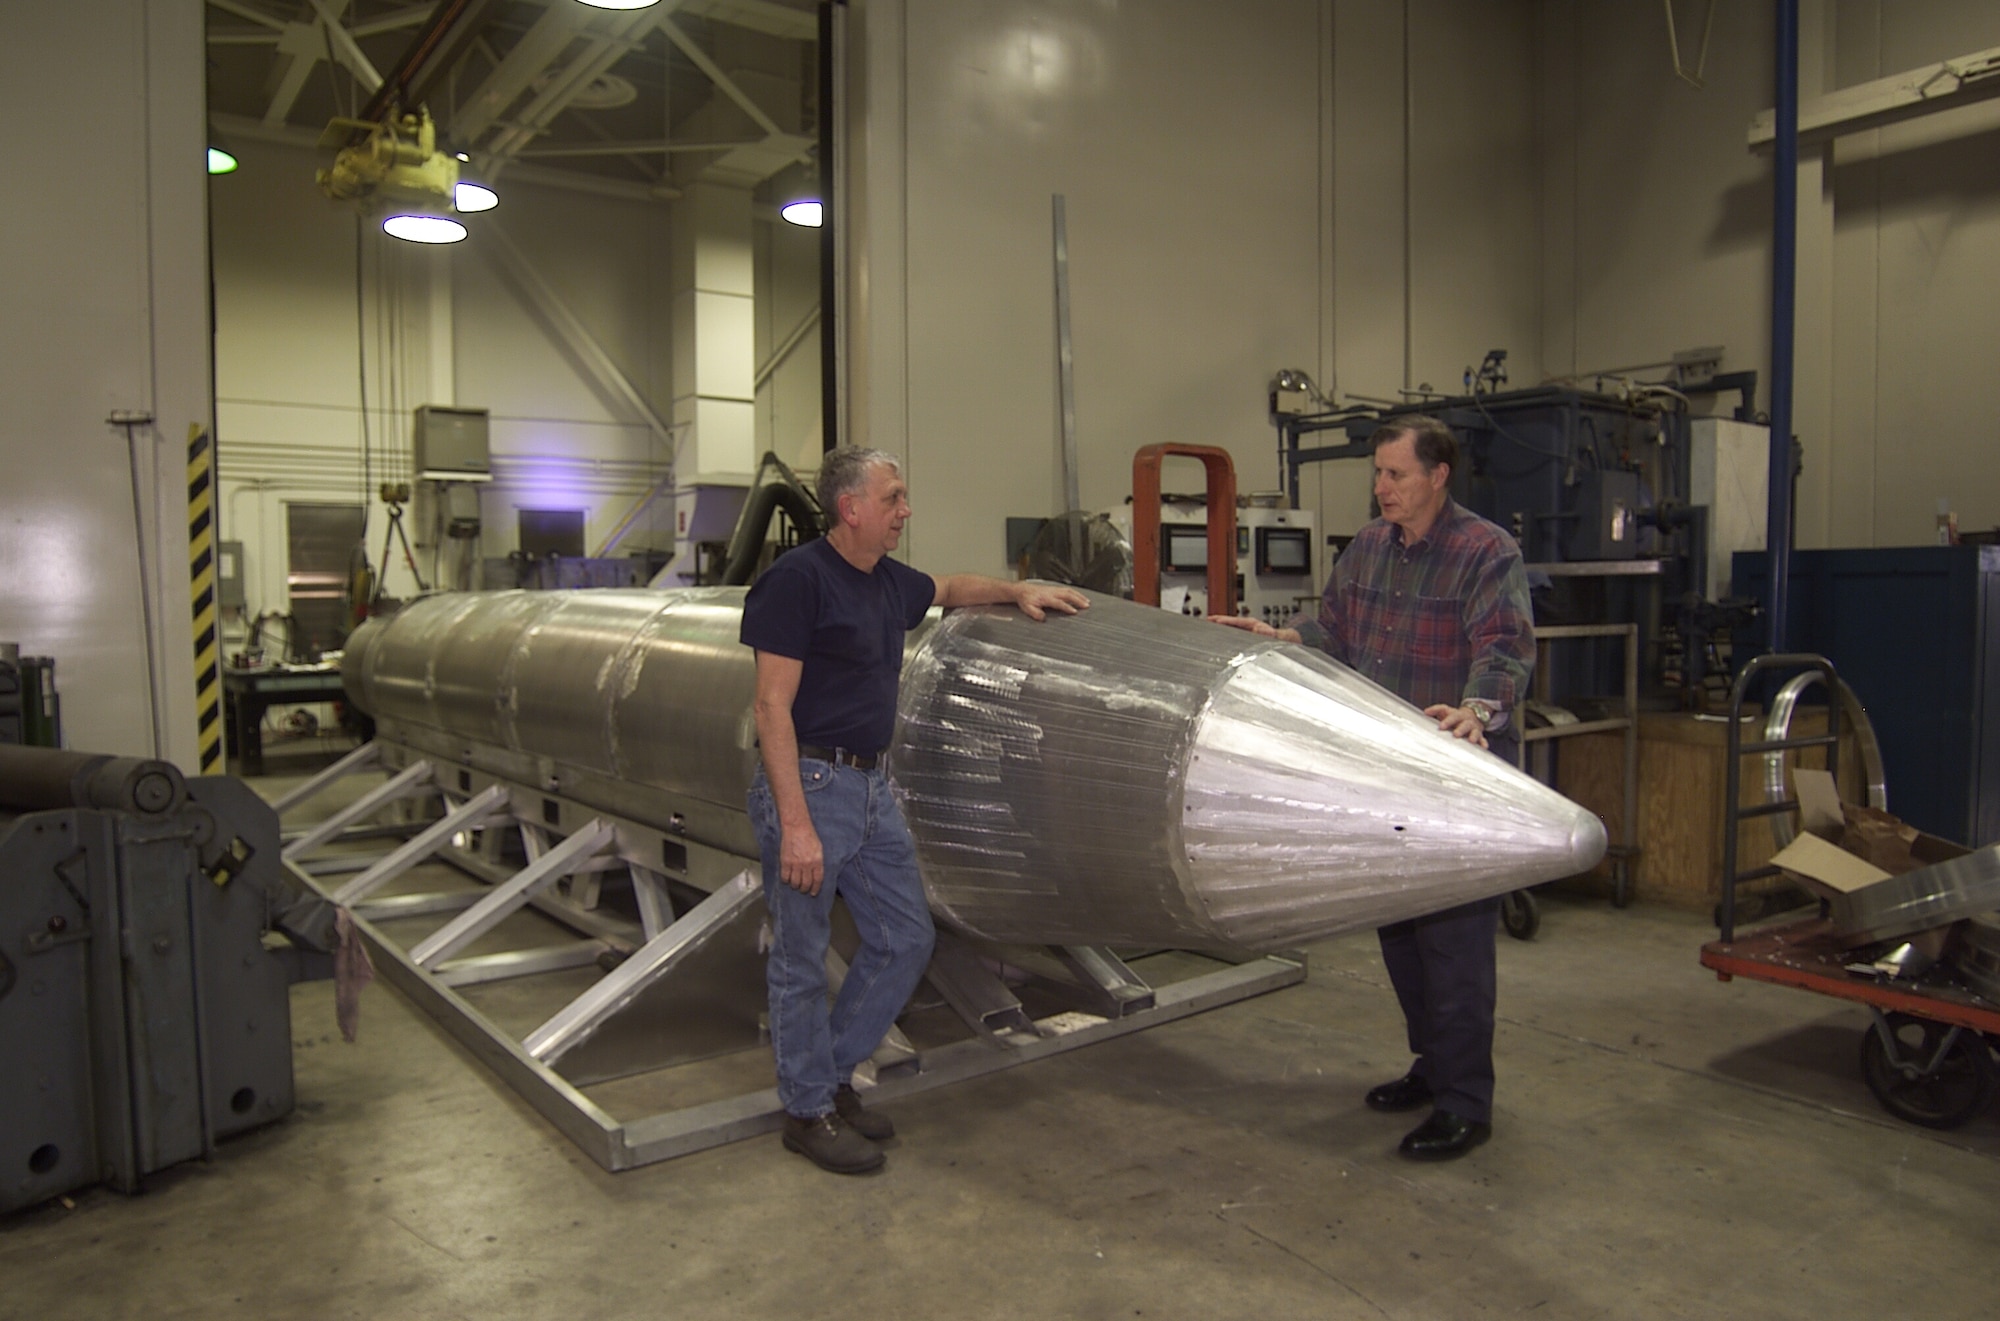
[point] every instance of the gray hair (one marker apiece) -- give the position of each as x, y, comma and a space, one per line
844, 471
1435, 442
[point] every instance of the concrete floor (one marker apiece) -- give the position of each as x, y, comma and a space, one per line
1665, 1146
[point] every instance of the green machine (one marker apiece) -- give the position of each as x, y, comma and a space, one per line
30, 711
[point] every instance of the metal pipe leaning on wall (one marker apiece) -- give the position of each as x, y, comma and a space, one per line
1121, 776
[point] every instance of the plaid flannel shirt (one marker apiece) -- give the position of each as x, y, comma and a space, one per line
1436, 622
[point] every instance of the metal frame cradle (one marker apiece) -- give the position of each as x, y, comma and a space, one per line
566, 834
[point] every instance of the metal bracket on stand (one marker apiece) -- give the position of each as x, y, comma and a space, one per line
1104, 977
976, 991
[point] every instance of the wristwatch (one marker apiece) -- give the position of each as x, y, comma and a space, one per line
1481, 711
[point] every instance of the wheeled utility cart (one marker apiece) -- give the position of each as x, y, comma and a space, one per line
1928, 1054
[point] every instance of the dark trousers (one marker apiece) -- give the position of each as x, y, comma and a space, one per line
1442, 966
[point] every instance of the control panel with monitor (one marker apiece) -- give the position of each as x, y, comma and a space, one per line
1273, 558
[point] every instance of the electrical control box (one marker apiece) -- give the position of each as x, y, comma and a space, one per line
1608, 504
229, 593
450, 445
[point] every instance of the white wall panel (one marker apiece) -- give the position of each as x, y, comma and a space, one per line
1919, 208
1184, 136
102, 265
1474, 258
1236, 182
607, 259
1671, 214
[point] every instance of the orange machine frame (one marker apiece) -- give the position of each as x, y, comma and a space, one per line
1221, 523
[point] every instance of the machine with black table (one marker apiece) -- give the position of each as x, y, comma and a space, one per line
248, 693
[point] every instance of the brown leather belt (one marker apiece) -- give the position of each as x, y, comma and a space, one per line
840, 756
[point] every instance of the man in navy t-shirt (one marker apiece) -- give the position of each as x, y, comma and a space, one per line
827, 622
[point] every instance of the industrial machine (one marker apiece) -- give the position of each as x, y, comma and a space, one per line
1626, 507
1082, 791
1216, 553
144, 1009
393, 169
1273, 562
30, 707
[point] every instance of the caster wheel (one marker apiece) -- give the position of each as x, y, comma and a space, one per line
1959, 1086
1520, 914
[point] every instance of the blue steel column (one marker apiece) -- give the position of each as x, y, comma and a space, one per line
1784, 298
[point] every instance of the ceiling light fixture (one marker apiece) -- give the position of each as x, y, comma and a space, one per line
799, 199
621, 4
220, 161
473, 197
414, 228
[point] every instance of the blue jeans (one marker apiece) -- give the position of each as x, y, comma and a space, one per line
871, 863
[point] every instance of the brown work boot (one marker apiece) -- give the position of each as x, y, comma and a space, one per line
870, 1124
830, 1144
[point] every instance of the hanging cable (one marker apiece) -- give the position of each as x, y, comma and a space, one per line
361, 363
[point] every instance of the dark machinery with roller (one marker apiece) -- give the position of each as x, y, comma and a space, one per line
144, 1005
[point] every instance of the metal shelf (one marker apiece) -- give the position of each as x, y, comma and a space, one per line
1623, 853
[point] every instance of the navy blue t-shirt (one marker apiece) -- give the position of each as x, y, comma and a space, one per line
847, 626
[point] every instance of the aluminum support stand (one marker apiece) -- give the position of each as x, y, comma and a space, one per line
658, 957
662, 951
361, 759
469, 816
508, 898
975, 991
412, 779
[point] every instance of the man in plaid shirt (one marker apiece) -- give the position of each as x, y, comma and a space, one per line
1431, 601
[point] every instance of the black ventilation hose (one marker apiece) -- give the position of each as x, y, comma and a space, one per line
753, 529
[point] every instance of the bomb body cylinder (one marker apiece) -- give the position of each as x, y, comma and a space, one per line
1121, 776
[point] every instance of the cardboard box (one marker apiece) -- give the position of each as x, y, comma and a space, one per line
1845, 848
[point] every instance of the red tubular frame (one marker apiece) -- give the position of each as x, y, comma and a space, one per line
1221, 523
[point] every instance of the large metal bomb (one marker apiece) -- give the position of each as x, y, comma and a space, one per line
1122, 776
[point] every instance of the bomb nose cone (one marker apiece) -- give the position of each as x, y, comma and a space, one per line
1126, 776
1587, 843
1317, 801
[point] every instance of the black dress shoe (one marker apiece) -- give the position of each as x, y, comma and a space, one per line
1406, 1093
1444, 1136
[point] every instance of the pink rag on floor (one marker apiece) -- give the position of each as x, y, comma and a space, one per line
352, 970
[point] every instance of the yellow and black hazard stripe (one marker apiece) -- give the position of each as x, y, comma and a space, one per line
201, 579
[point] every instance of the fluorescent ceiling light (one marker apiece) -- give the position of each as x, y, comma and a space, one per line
803, 213
621, 4
220, 161
474, 197
424, 229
